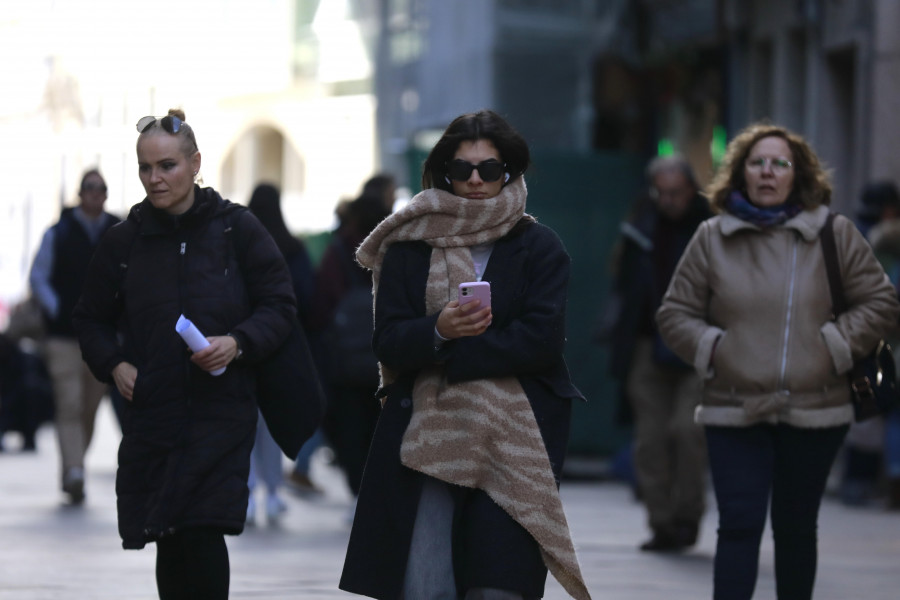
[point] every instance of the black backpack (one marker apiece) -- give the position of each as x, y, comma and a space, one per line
348, 338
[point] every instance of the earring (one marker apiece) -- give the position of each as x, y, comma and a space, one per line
447, 179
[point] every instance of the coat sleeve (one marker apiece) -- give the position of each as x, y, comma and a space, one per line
682, 317
873, 309
531, 341
39, 276
404, 334
268, 285
95, 316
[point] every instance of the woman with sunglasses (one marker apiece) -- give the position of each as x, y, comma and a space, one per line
459, 496
750, 307
187, 432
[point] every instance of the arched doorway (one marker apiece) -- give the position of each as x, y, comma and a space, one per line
262, 154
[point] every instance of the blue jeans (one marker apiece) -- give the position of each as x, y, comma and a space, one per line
265, 459
750, 464
304, 457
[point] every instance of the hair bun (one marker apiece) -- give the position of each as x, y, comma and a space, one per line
177, 112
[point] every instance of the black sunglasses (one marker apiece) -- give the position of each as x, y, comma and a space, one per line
170, 123
489, 170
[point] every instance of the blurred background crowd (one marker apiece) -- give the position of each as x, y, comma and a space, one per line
335, 103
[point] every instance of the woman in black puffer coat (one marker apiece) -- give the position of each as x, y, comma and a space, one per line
187, 434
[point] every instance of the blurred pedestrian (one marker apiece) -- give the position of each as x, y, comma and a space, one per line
865, 464
342, 324
876, 198
56, 279
661, 389
26, 392
187, 433
384, 186
265, 459
459, 497
749, 306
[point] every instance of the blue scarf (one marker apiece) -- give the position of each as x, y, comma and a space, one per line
763, 217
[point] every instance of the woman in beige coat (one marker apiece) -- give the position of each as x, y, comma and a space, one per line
749, 307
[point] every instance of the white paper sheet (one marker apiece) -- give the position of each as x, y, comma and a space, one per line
195, 340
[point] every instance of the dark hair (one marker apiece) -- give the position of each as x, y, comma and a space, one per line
877, 196
812, 186
88, 173
481, 125
381, 185
185, 132
265, 203
378, 185
365, 213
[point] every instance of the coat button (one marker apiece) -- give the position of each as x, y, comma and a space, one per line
406, 403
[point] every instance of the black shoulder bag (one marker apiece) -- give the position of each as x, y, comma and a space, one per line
873, 378
288, 390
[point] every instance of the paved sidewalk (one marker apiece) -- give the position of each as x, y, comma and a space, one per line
49, 551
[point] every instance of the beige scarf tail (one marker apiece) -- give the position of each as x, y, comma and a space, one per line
483, 434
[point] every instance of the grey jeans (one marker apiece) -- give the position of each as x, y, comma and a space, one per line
429, 568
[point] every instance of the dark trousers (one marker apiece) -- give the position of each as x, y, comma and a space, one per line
750, 464
192, 564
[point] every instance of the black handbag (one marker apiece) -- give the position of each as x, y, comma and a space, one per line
289, 394
873, 378
288, 390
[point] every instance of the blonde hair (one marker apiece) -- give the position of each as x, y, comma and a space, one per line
812, 182
185, 132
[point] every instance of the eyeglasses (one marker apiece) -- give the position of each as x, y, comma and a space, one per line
779, 164
93, 187
489, 170
170, 123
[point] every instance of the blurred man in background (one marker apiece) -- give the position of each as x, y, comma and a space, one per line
662, 391
56, 279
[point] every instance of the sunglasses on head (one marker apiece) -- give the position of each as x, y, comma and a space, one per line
170, 123
489, 170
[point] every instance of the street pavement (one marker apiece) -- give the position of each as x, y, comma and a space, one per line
51, 551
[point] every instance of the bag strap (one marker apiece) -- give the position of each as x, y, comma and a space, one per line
832, 266
234, 242
125, 258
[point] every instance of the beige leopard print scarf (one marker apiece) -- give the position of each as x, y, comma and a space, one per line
478, 434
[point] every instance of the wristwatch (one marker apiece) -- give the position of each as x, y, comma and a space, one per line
240, 351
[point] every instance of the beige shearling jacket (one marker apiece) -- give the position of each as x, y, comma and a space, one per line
751, 310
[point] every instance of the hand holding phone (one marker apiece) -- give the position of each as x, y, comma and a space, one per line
455, 322
475, 290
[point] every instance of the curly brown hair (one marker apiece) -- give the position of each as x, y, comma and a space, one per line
812, 181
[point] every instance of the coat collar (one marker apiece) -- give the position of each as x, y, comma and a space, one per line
807, 223
152, 221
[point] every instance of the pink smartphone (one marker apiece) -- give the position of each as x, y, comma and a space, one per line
475, 290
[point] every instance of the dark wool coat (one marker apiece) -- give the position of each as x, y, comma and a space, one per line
528, 271
187, 435
644, 269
